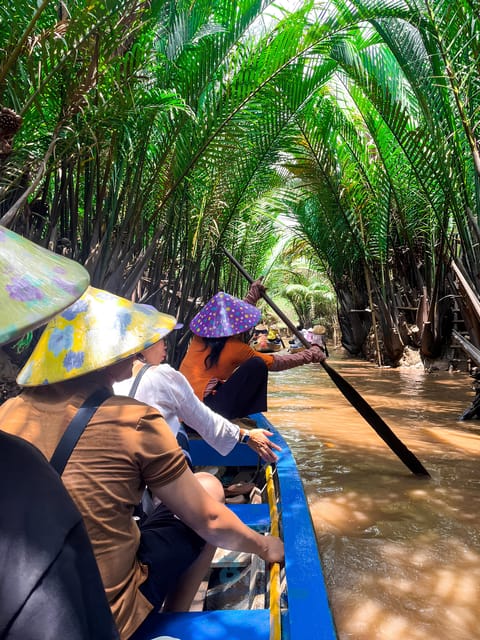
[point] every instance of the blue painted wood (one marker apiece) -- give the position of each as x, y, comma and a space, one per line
309, 615
203, 454
209, 625
256, 516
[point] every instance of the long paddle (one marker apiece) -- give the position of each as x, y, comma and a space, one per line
355, 399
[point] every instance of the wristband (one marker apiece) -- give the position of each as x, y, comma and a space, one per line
244, 437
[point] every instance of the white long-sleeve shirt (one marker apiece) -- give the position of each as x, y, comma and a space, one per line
168, 391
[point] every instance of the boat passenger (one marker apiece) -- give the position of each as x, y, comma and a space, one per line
125, 446
273, 334
50, 586
318, 337
260, 343
274, 338
295, 344
225, 372
308, 335
163, 387
259, 340
260, 330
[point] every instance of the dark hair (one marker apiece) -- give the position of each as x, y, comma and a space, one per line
215, 345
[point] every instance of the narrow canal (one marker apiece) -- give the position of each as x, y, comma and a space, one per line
401, 554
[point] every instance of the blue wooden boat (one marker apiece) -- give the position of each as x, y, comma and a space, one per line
296, 602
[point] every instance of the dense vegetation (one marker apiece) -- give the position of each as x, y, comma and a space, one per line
139, 137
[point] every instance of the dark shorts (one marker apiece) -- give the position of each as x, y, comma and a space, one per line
168, 547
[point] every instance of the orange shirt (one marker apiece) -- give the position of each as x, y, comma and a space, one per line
125, 446
232, 355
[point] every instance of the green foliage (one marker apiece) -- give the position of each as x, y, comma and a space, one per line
153, 134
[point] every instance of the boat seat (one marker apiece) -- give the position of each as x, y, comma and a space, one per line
217, 625
203, 454
209, 625
256, 516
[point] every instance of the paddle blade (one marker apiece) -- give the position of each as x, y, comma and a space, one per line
376, 422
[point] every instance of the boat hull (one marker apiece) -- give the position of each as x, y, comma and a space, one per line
266, 347
305, 609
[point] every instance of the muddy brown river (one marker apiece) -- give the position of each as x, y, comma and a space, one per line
401, 554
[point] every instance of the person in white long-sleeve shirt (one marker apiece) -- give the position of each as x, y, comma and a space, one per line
167, 390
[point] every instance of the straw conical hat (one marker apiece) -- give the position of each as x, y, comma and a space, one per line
98, 330
223, 316
319, 330
35, 284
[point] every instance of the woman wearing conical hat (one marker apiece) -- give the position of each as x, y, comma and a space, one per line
163, 387
318, 337
125, 446
50, 586
228, 375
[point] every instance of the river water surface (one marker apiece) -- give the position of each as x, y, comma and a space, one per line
401, 554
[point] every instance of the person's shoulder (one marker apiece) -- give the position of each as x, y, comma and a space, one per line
126, 409
12, 403
235, 341
171, 378
235, 344
18, 449
123, 387
127, 416
163, 370
25, 471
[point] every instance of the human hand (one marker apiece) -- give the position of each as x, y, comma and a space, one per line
318, 354
260, 443
257, 289
273, 550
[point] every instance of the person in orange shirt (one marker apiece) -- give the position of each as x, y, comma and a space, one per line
224, 371
125, 446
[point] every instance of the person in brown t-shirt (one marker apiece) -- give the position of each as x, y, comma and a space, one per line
50, 586
125, 446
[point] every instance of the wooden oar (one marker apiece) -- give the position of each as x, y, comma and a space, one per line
355, 399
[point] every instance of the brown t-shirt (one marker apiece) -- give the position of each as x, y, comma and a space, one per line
232, 355
125, 446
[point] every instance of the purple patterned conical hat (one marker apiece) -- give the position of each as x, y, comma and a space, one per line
224, 316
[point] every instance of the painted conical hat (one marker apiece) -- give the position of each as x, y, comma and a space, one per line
223, 316
35, 284
96, 331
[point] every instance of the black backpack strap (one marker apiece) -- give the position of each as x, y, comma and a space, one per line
136, 382
76, 427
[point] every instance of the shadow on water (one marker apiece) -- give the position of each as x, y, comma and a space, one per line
401, 554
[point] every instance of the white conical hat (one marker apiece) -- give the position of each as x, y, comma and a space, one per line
319, 330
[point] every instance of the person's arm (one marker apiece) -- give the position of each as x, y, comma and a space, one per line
219, 432
213, 521
258, 440
290, 360
257, 288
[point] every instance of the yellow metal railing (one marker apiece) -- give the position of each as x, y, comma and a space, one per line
275, 590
